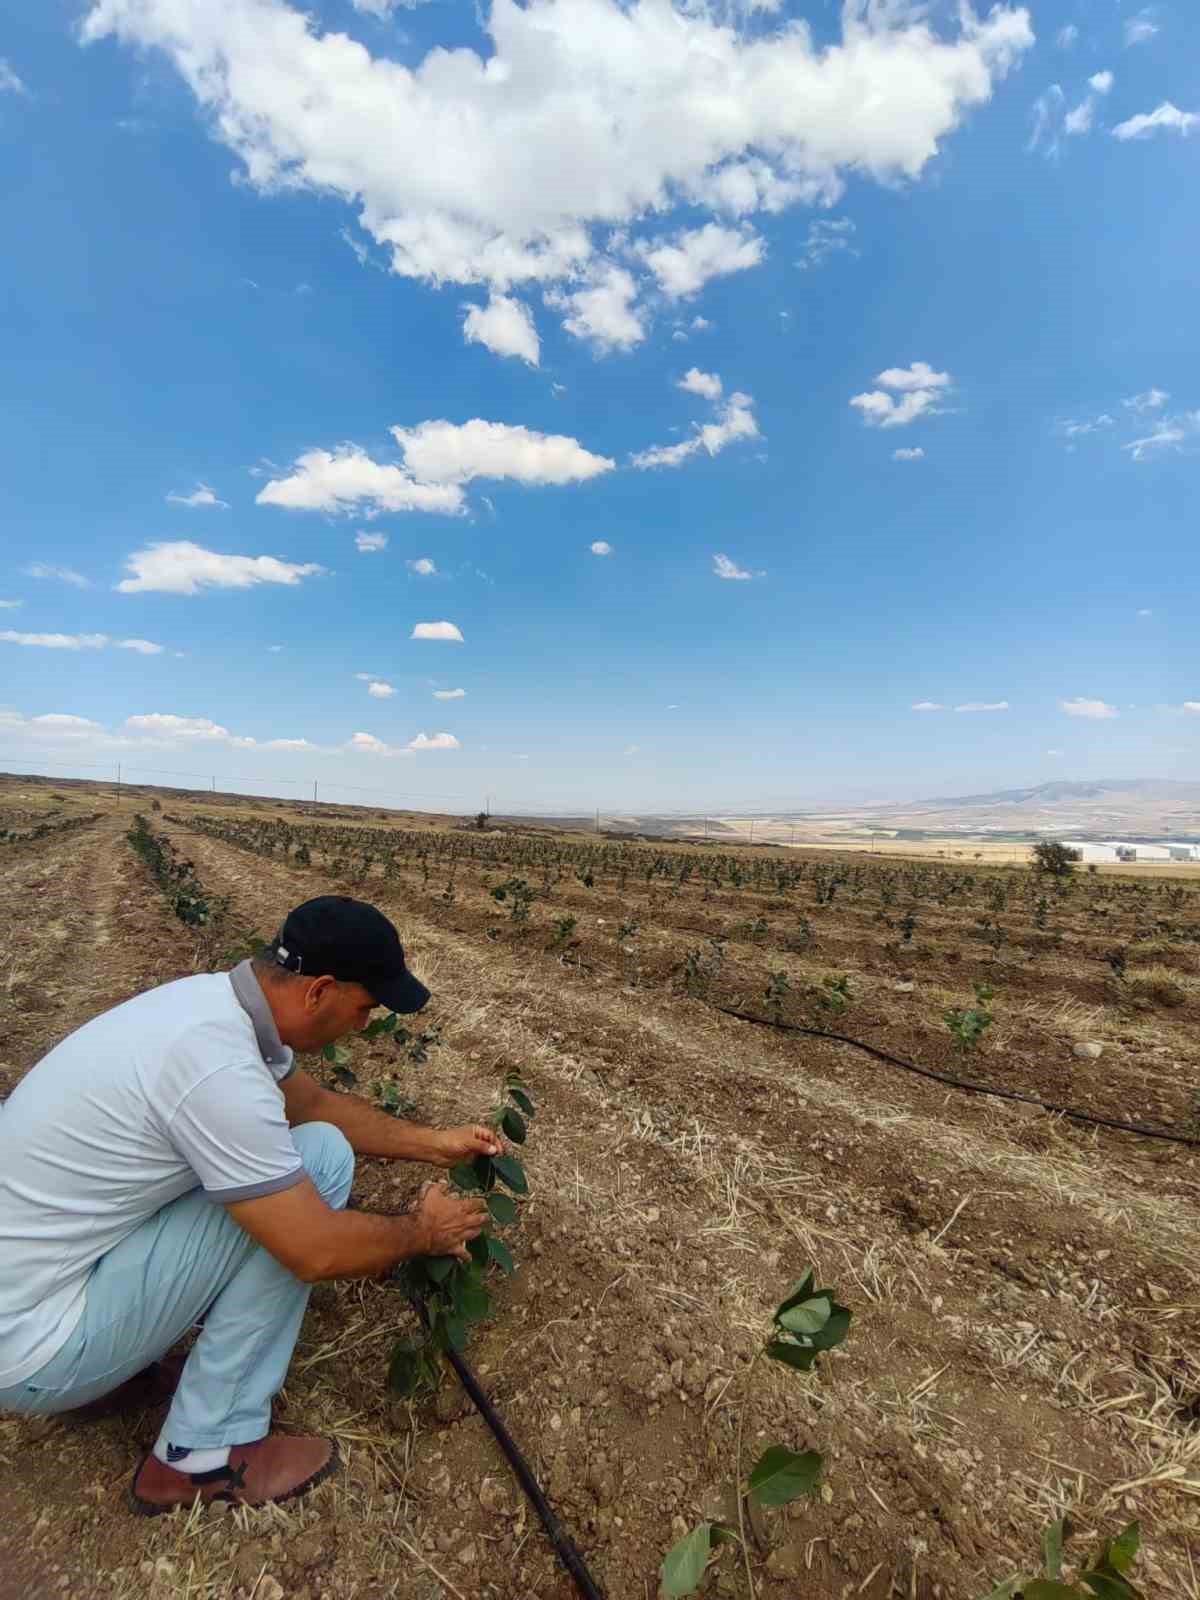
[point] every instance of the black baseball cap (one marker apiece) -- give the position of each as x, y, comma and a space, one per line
337, 937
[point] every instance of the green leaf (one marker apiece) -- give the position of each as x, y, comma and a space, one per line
1010, 1588
792, 1355
834, 1331
463, 1176
484, 1168
1053, 1539
1048, 1589
1109, 1585
800, 1290
329, 1052
474, 1302
809, 1317
408, 1368
502, 1208
345, 1077
1122, 1551
780, 1475
477, 1248
500, 1254
684, 1563
456, 1332
521, 1099
510, 1171
514, 1126
439, 1268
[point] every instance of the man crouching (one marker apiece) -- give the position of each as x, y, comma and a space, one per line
168, 1161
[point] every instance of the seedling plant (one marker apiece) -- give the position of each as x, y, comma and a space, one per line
452, 1292
968, 1024
1104, 1577
806, 1322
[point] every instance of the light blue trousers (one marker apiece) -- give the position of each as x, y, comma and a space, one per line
142, 1297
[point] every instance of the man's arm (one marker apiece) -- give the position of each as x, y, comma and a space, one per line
372, 1132
316, 1243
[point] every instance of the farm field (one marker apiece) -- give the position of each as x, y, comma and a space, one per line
1026, 1329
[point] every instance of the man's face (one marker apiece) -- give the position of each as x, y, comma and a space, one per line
332, 1010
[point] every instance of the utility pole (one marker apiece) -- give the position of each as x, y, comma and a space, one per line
314, 791
214, 784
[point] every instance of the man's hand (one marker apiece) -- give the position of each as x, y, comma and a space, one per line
464, 1144
448, 1221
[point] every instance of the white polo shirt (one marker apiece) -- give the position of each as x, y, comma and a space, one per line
177, 1088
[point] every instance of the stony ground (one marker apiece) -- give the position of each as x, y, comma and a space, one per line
1024, 1288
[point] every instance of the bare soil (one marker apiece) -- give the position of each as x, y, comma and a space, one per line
1024, 1288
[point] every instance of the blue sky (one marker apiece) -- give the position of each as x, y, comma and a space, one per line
490, 290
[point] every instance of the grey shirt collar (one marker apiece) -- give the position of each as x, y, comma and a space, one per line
253, 1002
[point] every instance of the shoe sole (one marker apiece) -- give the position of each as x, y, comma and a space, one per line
152, 1508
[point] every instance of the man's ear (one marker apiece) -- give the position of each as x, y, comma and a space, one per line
318, 991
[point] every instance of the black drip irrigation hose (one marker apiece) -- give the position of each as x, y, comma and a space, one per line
564, 1546
965, 1083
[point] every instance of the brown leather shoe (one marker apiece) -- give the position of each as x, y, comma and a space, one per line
153, 1386
279, 1467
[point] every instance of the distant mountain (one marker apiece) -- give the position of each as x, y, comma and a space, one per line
1151, 790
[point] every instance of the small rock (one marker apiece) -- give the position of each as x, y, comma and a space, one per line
493, 1498
903, 988
269, 1588
466, 1556
1088, 1050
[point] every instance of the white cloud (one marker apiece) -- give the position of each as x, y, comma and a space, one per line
723, 567
735, 420
603, 310
705, 384
144, 647
200, 730
201, 495
505, 327
1192, 707
826, 237
437, 630
369, 543
60, 722
1054, 752
1140, 28
449, 453
1168, 117
929, 705
288, 744
1080, 118
983, 705
1044, 120
180, 567
1080, 706
1079, 430
378, 690
1152, 400
57, 641
347, 480
437, 741
9, 81
1067, 37
685, 265
1145, 612
11, 605
423, 566
1102, 82
600, 547
369, 743
916, 454
449, 694
1169, 433
631, 750
579, 116
920, 388
43, 569
274, 649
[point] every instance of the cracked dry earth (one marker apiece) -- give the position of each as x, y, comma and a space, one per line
1024, 1290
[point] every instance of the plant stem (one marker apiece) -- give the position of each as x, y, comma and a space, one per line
737, 1468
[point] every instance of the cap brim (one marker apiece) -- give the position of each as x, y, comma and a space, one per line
403, 993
